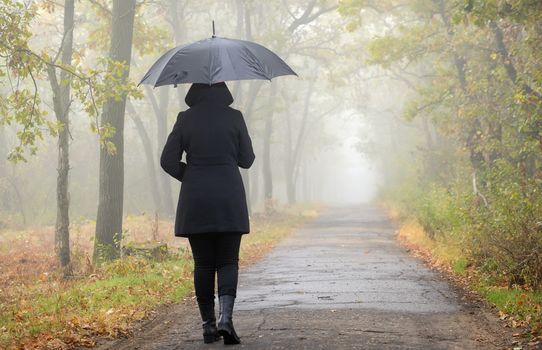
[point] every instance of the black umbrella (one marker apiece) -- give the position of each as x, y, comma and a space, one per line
214, 60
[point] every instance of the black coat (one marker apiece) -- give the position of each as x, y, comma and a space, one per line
216, 141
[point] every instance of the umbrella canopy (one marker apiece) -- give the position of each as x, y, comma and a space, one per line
215, 60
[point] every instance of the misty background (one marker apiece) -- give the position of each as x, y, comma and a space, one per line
319, 128
431, 109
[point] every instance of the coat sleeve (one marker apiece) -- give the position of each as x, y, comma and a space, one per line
170, 160
246, 156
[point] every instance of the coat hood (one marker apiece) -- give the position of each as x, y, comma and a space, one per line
215, 93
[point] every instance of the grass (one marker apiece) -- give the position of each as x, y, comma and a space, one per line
521, 306
460, 266
105, 303
442, 251
40, 310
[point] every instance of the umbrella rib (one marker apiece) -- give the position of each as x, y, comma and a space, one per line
232, 65
256, 59
171, 53
210, 60
259, 64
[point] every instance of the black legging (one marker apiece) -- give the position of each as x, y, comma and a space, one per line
215, 253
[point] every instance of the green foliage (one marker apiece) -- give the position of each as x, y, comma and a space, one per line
108, 299
147, 39
508, 233
460, 266
107, 81
438, 209
523, 305
475, 73
105, 303
23, 70
351, 8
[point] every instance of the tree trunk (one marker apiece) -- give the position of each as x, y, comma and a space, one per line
161, 134
178, 26
255, 185
266, 159
149, 156
307, 183
294, 151
473, 138
111, 188
239, 6
291, 192
20, 201
432, 164
254, 89
160, 112
508, 62
289, 162
243, 25
61, 106
4, 198
3, 151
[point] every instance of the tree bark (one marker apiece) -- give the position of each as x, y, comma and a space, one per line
111, 187
61, 106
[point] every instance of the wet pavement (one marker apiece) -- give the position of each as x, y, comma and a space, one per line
346, 259
340, 282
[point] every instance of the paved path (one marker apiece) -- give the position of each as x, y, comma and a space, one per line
340, 282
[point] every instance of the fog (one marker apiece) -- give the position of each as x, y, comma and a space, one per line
429, 110
322, 127
349, 177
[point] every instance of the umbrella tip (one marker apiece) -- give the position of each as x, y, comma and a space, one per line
214, 35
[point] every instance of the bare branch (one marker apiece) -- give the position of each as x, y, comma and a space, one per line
288, 9
301, 20
475, 190
101, 6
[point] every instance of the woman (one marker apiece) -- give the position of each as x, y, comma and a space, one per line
212, 209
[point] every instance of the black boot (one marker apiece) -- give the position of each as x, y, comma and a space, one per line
225, 323
210, 332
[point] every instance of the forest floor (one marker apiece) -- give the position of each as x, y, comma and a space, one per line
41, 310
342, 281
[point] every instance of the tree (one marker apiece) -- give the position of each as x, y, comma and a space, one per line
61, 105
21, 105
475, 73
149, 155
284, 45
111, 178
160, 109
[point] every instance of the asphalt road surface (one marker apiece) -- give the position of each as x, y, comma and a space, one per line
340, 282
